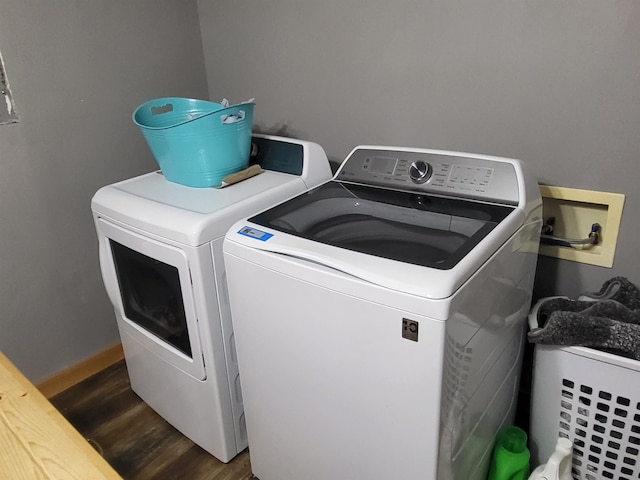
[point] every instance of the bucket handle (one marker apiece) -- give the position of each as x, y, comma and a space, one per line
168, 108
232, 117
159, 110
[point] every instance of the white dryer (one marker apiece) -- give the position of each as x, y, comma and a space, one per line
162, 265
383, 333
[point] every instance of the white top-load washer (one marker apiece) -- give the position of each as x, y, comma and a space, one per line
383, 334
162, 265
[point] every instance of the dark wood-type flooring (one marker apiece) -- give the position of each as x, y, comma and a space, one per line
136, 441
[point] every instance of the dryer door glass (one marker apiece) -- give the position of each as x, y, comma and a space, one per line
420, 229
151, 295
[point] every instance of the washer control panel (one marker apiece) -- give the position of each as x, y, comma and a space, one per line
435, 171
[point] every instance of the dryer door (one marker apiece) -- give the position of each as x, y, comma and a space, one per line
149, 284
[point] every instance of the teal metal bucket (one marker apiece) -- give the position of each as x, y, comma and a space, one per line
195, 142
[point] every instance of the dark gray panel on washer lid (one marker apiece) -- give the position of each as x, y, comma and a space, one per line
277, 156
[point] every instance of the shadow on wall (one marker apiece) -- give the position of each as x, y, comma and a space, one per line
279, 129
546, 281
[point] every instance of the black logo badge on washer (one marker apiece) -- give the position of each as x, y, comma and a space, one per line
410, 329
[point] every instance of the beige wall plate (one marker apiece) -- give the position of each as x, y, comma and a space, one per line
575, 211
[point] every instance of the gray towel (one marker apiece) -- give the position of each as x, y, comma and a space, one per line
607, 320
619, 289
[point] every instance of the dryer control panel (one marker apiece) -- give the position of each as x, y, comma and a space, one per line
434, 171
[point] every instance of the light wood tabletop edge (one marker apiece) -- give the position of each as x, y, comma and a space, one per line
20, 398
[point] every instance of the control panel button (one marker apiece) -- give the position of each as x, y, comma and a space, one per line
420, 171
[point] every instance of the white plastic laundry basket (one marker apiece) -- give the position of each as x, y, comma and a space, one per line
593, 399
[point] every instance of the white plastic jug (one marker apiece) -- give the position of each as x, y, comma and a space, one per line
559, 465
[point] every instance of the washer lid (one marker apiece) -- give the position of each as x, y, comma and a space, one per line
419, 229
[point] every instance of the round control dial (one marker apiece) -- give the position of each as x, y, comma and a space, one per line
420, 171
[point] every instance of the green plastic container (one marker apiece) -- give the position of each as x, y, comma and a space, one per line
196, 142
510, 456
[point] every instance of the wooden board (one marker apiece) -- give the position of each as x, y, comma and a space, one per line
36, 441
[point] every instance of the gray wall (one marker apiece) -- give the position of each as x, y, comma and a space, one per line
555, 83
77, 70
